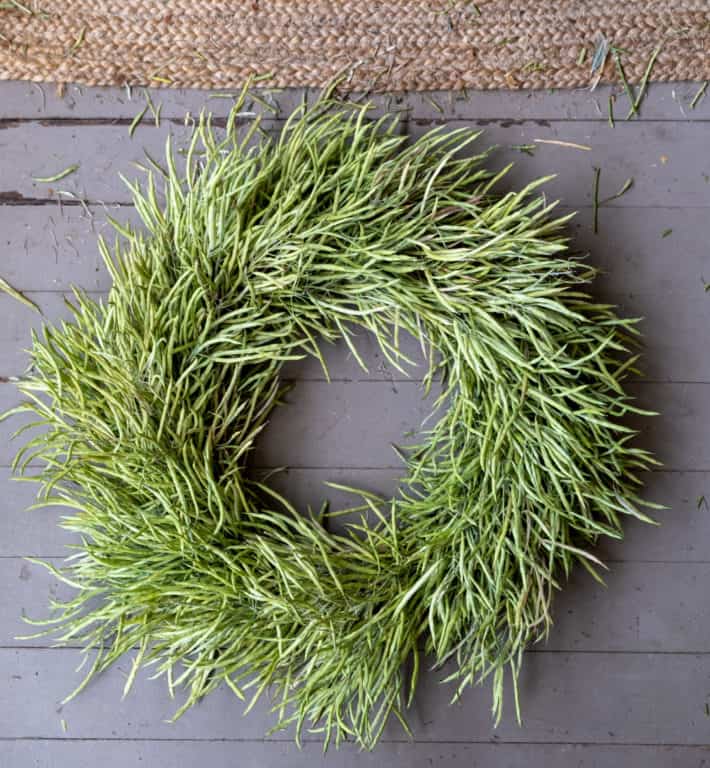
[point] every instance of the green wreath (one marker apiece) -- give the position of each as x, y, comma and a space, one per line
153, 402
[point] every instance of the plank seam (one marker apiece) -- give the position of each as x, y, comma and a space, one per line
271, 740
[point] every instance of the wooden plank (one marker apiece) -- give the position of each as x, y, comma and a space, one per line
23, 101
53, 248
101, 151
613, 698
684, 526
9, 398
668, 338
664, 101
20, 321
221, 754
315, 422
17, 323
24, 532
356, 424
644, 608
37, 533
32, 589
47, 252
323, 424
48, 249
673, 436
680, 537
661, 170
668, 327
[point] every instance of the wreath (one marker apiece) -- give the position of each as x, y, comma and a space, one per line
256, 254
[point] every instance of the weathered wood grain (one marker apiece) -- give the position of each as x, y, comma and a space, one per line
49, 753
662, 172
612, 698
47, 251
16, 339
356, 424
51, 249
676, 436
681, 536
626, 668
644, 608
25, 532
668, 343
664, 101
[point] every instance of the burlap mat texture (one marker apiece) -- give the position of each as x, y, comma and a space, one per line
373, 46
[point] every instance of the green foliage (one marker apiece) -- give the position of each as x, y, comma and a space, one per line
154, 399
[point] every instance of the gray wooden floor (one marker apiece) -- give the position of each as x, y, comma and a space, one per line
625, 677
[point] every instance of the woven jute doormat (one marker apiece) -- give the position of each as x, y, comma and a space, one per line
373, 45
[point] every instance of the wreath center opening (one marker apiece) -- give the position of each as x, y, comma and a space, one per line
332, 436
